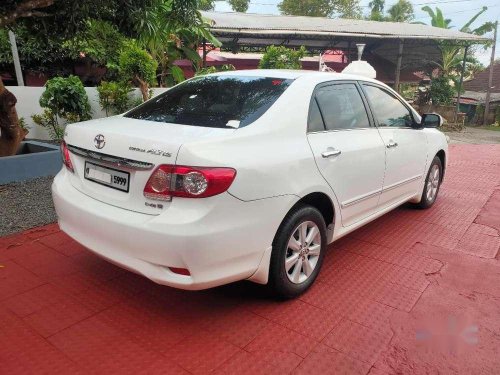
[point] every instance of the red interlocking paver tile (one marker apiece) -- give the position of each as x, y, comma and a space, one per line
201, 353
307, 319
331, 362
339, 301
237, 326
64, 310
475, 228
47, 263
14, 280
480, 241
248, 363
62, 243
55, 317
23, 351
33, 300
373, 315
277, 338
418, 263
408, 278
358, 341
21, 249
96, 267
98, 348
99, 297
395, 295
153, 327
286, 362
40, 232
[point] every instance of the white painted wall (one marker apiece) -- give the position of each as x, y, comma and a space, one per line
27, 105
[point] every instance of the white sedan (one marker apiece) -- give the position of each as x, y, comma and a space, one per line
245, 175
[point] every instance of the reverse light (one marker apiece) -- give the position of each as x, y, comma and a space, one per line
169, 181
65, 157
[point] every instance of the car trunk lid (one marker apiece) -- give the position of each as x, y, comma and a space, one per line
113, 158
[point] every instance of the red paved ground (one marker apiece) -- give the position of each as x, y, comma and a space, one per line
414, 292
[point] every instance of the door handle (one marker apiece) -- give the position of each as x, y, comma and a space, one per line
392, 144
330, 153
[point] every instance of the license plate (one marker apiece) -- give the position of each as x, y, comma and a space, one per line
110, 177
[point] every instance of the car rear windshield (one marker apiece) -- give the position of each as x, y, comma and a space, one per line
214, 101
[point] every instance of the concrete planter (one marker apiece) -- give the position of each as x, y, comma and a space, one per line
33, 159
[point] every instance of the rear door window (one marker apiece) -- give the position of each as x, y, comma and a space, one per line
214, 101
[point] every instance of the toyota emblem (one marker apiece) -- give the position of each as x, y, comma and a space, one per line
99, 141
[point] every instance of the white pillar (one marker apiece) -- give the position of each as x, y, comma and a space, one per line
15, 57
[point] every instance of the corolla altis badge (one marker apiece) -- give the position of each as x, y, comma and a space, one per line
99, 141
151, 151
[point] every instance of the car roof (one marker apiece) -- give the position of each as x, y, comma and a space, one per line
317, 76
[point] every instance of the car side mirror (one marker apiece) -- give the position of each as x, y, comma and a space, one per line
431, 120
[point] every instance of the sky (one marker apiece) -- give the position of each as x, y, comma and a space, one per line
459, 11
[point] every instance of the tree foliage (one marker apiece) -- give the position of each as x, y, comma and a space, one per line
239, 5
281, 57
312, 8
206, 4
402, 11
377, 10
100, 41
321, 8
172, 30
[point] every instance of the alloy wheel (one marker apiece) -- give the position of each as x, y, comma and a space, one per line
304, 248
433, 183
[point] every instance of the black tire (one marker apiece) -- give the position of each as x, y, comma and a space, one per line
425, 201
280, 284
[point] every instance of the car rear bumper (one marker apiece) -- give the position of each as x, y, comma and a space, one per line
220, 239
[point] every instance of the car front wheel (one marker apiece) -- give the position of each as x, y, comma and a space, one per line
432, 184
298, 250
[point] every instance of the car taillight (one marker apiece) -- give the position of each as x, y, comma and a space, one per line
169, 181
65, 157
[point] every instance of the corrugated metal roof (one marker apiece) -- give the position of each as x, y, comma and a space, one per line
248, 23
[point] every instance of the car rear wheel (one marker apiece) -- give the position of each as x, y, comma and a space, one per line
432, 184
298, 250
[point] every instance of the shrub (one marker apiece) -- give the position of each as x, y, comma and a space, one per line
66, 97
64, 101
49, 121
441, 91
281, 57
114, 97
138, 67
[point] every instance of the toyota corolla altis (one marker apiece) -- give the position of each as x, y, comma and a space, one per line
245, 175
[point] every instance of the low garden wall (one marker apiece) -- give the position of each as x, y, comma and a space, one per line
27, 105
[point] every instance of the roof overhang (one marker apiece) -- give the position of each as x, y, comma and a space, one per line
421, 42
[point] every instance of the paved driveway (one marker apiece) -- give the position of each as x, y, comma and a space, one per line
414, 292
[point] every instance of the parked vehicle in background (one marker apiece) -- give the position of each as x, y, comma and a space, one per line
245, 175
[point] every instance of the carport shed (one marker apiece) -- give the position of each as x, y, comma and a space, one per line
403, 47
